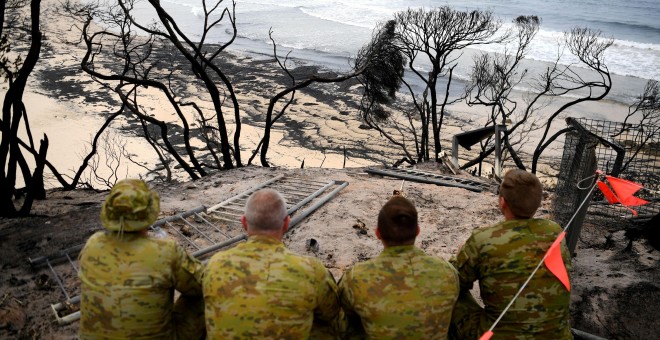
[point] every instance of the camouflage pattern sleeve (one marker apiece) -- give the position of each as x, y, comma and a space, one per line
465, 262
188, 311
345, 294
188, 273
353, 327
329, 309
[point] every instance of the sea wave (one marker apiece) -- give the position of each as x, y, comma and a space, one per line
359, 16
344, 26
626, 58
629, 26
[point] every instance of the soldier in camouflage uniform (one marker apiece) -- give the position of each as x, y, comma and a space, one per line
501, 257
403, 293
128, 278
259, 289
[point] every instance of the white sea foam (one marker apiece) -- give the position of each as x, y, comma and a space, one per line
342, 27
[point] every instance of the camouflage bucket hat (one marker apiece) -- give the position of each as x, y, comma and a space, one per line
130, 206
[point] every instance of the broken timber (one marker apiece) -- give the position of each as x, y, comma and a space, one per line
432, 178
200, 231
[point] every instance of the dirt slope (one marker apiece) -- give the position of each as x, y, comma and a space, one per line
615, 281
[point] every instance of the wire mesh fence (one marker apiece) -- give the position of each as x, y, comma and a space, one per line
627, 151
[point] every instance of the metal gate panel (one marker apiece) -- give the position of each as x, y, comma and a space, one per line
433, 178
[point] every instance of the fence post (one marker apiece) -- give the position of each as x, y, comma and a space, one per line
578, 162
584, 192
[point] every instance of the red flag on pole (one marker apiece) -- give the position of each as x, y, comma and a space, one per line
625, 190
486, 336
555, 264
609, 195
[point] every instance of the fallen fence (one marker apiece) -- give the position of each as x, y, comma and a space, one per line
433, 178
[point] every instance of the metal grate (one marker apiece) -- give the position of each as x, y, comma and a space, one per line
201, 231
433, 178
629, 151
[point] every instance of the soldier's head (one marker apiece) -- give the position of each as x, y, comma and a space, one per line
520, 194
265, 214
130, 207
397, 222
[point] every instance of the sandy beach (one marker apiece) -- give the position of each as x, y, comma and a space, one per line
611, 274
68, 106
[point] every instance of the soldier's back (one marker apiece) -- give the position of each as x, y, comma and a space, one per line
509, 252
260, 289
127, 289
402, 293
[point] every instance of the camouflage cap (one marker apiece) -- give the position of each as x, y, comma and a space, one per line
130, 206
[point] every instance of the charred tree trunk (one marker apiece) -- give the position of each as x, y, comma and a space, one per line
13, 110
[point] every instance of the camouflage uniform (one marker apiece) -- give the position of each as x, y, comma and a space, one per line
260, 289
502, 257
128, 285
402, 293
127, 278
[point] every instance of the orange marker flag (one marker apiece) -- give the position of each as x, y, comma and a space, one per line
609, 195
625, 190
486, 336
554, 262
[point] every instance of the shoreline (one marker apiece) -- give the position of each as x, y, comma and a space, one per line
323, 121
612, 273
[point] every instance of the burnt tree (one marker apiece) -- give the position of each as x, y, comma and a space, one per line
16, 71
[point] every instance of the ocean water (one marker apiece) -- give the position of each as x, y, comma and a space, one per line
328, 32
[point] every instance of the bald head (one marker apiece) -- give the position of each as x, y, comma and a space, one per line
265, 212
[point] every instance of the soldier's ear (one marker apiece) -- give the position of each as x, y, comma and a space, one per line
378, 233
285, 227
244, 222
417, 233
502, 203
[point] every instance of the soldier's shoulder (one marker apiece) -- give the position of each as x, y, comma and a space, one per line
542, 222
489, 229
359, 268
237, 252
97, 236
436, 260
220, 255
165, 241
437, 263
305, 259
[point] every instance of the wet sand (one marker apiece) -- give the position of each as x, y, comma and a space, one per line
322, 127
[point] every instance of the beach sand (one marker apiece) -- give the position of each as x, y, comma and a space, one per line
320, 128
66, 105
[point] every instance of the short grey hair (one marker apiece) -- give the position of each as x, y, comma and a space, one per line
265, 210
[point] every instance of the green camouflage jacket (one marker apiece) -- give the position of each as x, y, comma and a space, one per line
259, 289
501, 257
128, 285
403, 293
